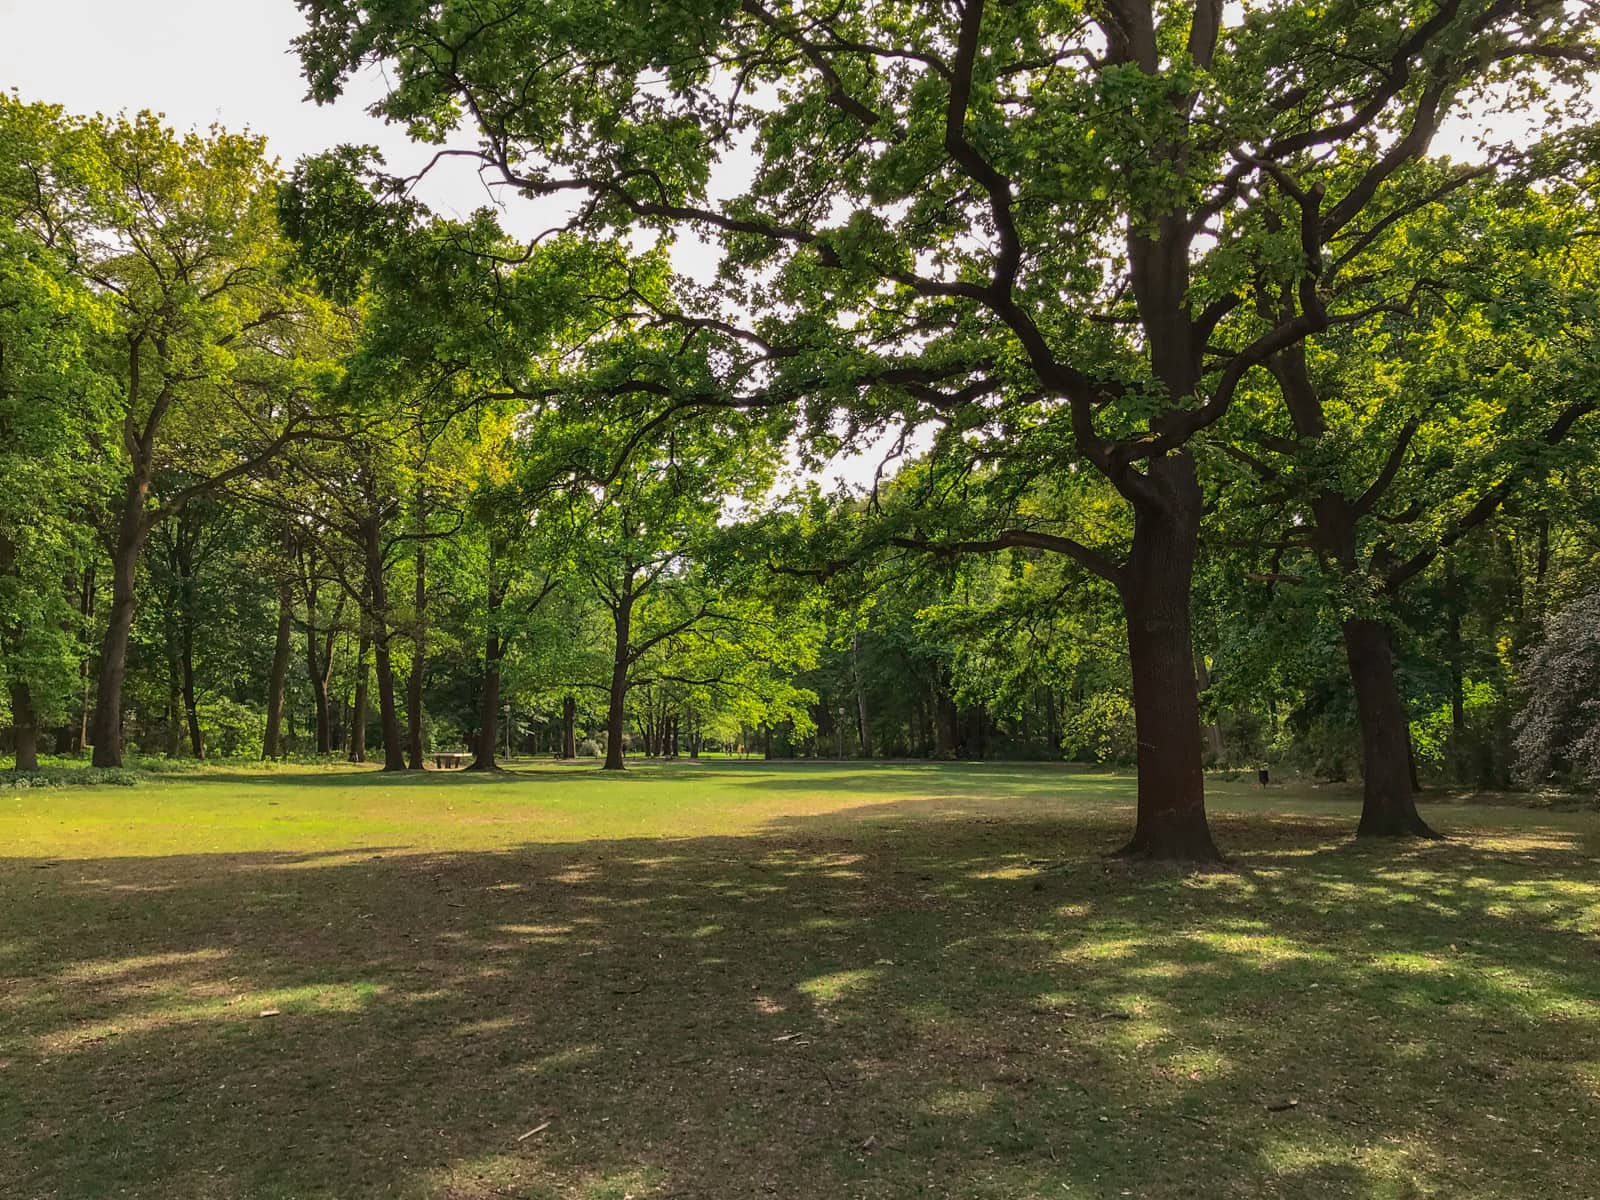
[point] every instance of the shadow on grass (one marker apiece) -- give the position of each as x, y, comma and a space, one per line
959, 1007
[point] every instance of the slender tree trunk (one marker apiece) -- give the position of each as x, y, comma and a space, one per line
418, 662
489, 697
1202, 679
24, 727
1458, 711
569, 727
863, 727
1171, 820
86, 600
623, 621
358, 708
106, 729
317, 671
278, 681
378, 595
1388, 804
186, 663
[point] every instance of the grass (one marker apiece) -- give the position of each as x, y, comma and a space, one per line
736, 980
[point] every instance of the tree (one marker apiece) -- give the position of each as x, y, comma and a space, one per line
51, 405
178, 236
1400, 435
1027, 219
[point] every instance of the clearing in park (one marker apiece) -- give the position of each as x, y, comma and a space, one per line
730, 980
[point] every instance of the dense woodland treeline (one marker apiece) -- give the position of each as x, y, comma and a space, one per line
1226, 422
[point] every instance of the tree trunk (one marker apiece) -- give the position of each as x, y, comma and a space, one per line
277, 683
317, 671
622, 617
569, 727
106, 729
1458, 711
418, 662
1388, 804
378, 595
488, 707
1171, 820
86, 600
25, 727
1202, 678
863, 729
174, 723
489, 697
358, 709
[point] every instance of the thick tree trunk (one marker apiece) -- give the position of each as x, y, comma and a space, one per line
278, 681
1171, 820
1388, 803
418, 663
24, 727
623, 620
488, 708
358, 708
106, 728
569, 727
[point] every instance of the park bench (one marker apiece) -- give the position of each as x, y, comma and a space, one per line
451, 760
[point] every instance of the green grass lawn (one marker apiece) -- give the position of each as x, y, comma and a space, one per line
739, 980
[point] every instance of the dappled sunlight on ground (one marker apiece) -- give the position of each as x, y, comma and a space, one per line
860, 996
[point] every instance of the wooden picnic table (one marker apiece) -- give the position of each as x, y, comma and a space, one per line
451, 760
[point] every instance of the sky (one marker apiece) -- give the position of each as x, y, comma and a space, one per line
202, 62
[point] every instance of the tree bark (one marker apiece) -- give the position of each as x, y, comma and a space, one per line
378, 616
191, 707
278, 681
106, 728
622, 616
1202, 679
863, 728
418, 661
25, 727
358, 708
1388, 803
86, 600
489, 696
1171, 819
319, 667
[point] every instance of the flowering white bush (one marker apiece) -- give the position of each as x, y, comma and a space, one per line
1558, 729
